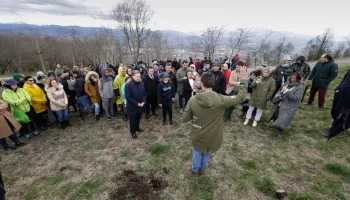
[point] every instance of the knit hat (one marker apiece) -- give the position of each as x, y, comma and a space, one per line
287, 57
50, 73
17, 76
40, 73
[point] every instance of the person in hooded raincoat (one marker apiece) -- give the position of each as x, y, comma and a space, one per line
117, 87
291, 93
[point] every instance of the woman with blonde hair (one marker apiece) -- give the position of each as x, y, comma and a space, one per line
58, 102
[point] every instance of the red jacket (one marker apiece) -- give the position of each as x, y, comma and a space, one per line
227, 74
196, 64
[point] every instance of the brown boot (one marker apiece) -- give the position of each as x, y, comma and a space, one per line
188, 170
201, 173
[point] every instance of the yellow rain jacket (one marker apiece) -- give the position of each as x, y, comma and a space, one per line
37, 96
117, 84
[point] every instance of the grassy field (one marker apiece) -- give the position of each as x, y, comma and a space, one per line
100, 161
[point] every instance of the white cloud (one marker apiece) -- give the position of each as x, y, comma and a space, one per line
309, 17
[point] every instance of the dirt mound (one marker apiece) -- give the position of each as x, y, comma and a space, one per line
138, 187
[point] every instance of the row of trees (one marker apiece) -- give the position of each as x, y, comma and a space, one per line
30, 51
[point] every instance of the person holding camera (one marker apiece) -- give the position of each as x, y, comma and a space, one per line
286, 103
263, 89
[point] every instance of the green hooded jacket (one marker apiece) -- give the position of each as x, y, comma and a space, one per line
262, 92
206, 109
323, 74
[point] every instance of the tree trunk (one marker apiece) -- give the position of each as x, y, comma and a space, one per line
40, 56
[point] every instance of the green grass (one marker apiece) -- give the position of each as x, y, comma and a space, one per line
202, 189
266, 186
85, 161
339, 169
158, 149
298, 196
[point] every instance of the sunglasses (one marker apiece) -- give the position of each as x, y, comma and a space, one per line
30, 80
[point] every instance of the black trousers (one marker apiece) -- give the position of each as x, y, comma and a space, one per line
151, 101
167, 106
2, 189
134, 123
72, 100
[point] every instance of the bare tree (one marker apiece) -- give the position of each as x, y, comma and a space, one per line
238, 40
283, 47
260, 49
194, 46
133, 17
211, 39
339, 50
319, 45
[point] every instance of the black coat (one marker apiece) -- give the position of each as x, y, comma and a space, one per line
166, 91
151, 85
172, 78
187, 89
135, 93
341, 96
80, 86
220, 82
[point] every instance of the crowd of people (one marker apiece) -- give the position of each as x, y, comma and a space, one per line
138, 88
208, 92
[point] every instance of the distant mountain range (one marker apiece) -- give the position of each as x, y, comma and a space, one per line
299, 41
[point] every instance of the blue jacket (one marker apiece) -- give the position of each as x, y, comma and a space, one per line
166, 91
135, 93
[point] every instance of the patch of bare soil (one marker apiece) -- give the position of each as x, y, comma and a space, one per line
138, 187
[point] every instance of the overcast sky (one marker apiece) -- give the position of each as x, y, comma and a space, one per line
308, 17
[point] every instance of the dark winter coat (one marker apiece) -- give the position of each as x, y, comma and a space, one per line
341, 96
287, 70
220, 82
166, 91
262, 92
135, 93
151, 85
323, 74
187, 89
288, 106
302, 68
172, 78
80, 86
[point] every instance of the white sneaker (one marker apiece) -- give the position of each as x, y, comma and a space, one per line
255, 123
246, 122
181, 111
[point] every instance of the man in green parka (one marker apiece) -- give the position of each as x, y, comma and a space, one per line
322, 75
206, 109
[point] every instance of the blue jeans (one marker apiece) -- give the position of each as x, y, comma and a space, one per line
199, 160
84, 102
62, 115
229, 110
14, 139
97, 108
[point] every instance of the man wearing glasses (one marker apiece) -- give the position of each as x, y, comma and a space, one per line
324, 72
